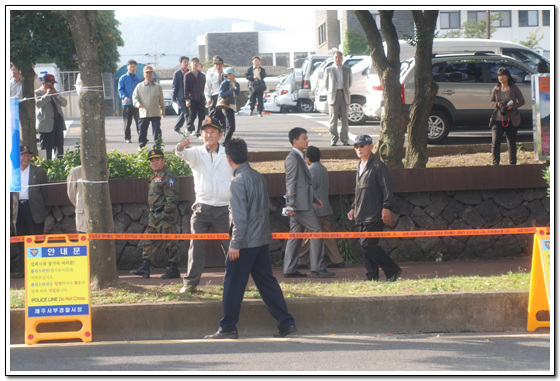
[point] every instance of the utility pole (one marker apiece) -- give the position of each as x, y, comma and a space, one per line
155, 56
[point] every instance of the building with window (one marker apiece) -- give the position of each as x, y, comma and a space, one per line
513, 25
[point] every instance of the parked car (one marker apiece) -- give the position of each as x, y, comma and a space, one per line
319, 73
465, 85
284, 98
357, 93
302, 81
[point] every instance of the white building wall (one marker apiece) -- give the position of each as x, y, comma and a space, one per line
515, 33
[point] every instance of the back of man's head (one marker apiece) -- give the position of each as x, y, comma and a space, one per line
236, 149
313, 154
295, 133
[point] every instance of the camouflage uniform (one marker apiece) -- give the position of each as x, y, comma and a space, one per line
163, 197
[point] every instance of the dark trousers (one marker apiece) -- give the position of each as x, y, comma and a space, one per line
257, 96
216, 112
511, 136
253, 261
156, 130
374, 255
54, 139
230, 123
129, 112
197, 109
25, 226
183, 114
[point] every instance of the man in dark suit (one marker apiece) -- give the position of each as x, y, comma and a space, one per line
179, 92
255, 73
300, 198
337, 81
31, 205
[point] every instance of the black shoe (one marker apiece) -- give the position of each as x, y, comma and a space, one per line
283, 332
173, 272
394, 277
373, 279
296, 274
143, 270
322, 274
345, 144
302, 267
336, 266
178, 130
222, 335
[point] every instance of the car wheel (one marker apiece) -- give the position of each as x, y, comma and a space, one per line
439, 126
305, 106
356, 113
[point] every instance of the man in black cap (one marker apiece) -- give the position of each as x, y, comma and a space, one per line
372, 208
50, 119
163, 196
212, 178
31, 211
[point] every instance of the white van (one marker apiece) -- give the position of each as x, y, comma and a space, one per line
453, 45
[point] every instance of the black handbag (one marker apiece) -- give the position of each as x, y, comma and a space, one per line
259, 85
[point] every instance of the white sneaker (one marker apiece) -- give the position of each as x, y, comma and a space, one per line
260, 114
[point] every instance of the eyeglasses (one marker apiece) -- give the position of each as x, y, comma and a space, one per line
356, 146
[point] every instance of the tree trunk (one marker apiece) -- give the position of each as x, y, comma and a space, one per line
27, 118
390, 145
97, 201
425, 91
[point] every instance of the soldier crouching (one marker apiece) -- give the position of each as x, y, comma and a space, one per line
163, 196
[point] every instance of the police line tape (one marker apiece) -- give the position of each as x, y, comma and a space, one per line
323, 235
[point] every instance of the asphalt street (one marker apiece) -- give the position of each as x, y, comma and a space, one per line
340, 354
269, 133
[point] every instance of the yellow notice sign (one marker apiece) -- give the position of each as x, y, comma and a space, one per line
56, 286
539, 297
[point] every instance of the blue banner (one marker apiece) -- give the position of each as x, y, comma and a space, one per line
15, 178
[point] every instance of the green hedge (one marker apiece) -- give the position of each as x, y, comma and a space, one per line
122, 165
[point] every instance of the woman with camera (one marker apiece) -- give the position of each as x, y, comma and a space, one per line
506, 99
229, 89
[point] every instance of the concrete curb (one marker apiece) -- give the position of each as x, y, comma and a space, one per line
418, 313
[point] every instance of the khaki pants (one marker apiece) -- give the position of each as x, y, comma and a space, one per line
331, 247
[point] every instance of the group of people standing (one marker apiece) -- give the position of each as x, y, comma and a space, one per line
193, 91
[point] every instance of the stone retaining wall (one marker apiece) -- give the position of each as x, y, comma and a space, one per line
414, 211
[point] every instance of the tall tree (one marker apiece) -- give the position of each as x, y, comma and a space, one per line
97, 201
425, 90
390, 145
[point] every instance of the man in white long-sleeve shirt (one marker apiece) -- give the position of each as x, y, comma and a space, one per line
212, 177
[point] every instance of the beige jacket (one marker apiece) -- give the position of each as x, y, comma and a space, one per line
148, 99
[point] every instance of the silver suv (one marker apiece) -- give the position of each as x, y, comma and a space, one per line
465, 86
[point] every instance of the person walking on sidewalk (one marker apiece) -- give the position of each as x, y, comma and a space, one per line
229, 88
372, 207
212, 177
179, 93
256, 73
50, 118
248, 251
337, 81
300, 197
148, 98
163, 197
195, 81
214, 78
320, 181
127, 85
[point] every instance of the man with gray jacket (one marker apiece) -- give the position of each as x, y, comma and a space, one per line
50, 119
337, 81
248, 251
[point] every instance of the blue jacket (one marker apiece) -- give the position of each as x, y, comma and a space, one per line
178, 86
127, 84
225, 90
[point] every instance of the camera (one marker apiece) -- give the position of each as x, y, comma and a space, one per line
504, 107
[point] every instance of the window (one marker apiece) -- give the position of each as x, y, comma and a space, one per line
517, 73
528, 58
322, 33
528, 18
458, 71
450, 20
505, 21
546, 18
476, 16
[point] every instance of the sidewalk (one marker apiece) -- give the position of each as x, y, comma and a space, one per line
355, 272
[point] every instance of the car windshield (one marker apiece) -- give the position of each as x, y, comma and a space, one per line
528, 58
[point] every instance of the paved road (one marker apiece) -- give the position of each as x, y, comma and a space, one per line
269, 133
351, 353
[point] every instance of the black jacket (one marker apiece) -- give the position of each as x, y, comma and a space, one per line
249, 74
374, 191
